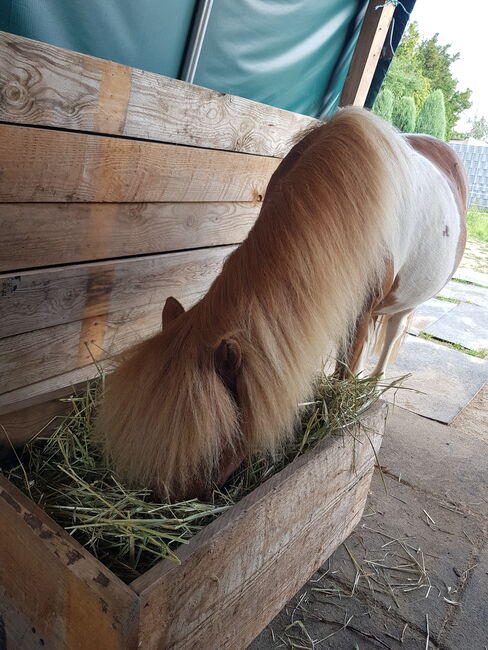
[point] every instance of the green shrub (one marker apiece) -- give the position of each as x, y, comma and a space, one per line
383, 105
432, 115
404, 114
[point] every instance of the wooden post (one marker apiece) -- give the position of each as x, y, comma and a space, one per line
366, 54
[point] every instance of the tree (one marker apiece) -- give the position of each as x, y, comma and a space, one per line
383, 105
479, 128
405, 75
404, 114
436, 61
419, 66
432, 116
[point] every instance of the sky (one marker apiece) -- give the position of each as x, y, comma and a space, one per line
465, 25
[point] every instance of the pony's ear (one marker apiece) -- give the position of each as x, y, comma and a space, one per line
171, 310
228, 360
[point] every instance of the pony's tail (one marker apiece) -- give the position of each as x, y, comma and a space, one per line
379, 336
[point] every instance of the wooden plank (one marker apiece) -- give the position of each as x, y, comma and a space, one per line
45, 85
52, 585
20, 426
366, 54
262, 550
48, 389
32, 300
50, 234
50, 166
44, 353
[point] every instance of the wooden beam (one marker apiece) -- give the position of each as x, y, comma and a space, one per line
49, 234
50, 166
36, 299
307, 510
45, 85
366, 54
101, 312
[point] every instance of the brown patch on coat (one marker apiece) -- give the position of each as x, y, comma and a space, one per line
447, 161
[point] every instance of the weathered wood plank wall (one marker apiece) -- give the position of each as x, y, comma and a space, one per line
45, 85
118, 188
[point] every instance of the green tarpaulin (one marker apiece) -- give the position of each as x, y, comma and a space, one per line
293, 54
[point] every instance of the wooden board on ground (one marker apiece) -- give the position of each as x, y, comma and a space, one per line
49, 234
45, 85
44, 166
215, 597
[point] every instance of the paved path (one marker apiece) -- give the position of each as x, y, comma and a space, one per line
444, 379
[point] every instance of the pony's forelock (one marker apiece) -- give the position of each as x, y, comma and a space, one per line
166, 415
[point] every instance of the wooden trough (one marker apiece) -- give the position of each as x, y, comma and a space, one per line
120, 187
235, 575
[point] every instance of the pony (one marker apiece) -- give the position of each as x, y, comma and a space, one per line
359, 225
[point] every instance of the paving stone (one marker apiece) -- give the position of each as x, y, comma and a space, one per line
448, 379
428, 313
323, 615
469, 626
466, 293
447, 548
466, 324
472, 276
437, 459
335, 593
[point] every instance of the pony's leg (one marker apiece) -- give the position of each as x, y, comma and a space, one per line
361, 363
395, 330
354, 362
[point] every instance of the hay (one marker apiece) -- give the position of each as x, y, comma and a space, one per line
70, 478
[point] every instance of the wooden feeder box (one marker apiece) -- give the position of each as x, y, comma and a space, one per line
109, 203
235, 575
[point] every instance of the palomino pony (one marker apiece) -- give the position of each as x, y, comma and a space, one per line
358, 222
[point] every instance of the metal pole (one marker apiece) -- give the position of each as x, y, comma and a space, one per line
194, 47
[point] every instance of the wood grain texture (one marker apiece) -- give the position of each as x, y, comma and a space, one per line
45, 353
48, 234
366, 53
261, 551
33, 300
45, 390
45, 85
60, 166
20, 426
50, 582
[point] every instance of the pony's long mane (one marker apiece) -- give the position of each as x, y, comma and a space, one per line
289, 295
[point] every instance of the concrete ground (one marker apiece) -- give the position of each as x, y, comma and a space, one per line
414, 574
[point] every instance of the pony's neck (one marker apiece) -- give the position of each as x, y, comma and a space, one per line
295, 288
